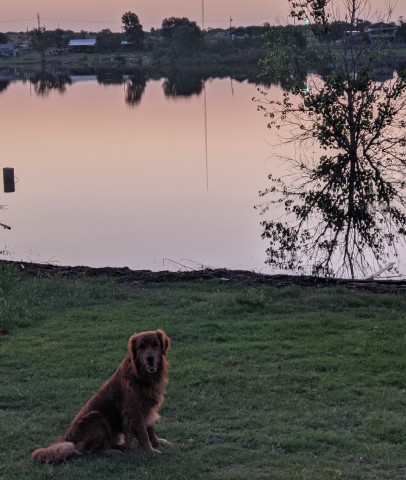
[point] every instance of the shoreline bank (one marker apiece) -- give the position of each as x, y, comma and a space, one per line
250, 278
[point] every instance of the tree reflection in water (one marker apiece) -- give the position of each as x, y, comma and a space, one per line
3, 85
183, 84
45, 81
175, 84
110, 77
134, 88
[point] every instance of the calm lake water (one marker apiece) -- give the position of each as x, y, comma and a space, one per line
102, 182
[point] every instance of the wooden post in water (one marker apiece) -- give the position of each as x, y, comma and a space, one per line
8, 180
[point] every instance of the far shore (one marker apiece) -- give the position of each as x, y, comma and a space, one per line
33, 60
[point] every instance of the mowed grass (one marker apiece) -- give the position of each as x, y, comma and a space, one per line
265, 383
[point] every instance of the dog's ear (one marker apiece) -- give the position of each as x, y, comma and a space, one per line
165, 341
132, 349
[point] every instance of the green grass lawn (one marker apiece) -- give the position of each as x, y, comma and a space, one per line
264, 383
34, 60
30, 58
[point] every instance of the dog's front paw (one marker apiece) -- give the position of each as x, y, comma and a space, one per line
152, 450
162, 442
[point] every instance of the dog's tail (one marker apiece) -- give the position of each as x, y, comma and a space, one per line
57, 452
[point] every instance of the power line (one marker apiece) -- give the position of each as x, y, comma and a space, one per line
81, 20
19, 20
160, 21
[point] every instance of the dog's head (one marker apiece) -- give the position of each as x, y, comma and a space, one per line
148, 351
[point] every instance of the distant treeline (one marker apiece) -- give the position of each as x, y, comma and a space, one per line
177, 35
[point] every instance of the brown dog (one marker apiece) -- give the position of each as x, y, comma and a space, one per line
126, 406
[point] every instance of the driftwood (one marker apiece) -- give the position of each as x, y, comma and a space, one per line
126, 275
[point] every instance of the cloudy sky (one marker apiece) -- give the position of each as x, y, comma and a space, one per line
94, 15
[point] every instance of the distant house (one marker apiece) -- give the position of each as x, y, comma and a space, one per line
352, 36
239, 34
82, 45
126, 45
6, 50
213, 36
379, 32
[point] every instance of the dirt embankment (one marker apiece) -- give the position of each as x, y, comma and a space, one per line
126, 275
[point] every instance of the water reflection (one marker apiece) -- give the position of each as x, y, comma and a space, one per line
131, 188
44, 82
3, 85
7, 76
101, 204
110, 77
134, 88
180, 84
176, 83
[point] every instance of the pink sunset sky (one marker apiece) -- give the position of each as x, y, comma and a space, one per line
94, 15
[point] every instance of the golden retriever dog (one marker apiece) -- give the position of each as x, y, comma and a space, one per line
122, 414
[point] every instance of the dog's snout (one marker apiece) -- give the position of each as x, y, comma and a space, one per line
150, 359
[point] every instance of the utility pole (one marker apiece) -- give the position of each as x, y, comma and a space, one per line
39, 21
230, 23
202, 14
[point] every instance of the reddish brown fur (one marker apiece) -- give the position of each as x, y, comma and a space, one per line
126, 406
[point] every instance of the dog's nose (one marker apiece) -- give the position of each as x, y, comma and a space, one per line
150, 359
